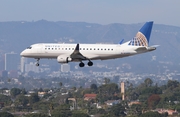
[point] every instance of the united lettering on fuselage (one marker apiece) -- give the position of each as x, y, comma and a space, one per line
65, 53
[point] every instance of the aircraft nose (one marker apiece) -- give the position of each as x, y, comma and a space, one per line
22, 53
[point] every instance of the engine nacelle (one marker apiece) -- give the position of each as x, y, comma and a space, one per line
63, 59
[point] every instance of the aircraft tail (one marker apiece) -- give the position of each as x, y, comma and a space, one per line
143, 36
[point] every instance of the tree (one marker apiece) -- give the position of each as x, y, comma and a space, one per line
40, 90
5, 99
172, 84
153, 100
79, 114
62, 111
148, 82
33, 98
137, 109
6, 114
117, 110
74, 88
21, 100
60, 84
23, 91
151, 114
107, 92
106, 80
93, 86
36, 115
15, 91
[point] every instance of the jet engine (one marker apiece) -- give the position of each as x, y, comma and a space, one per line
63, 59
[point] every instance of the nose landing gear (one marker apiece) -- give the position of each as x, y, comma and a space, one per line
37, 64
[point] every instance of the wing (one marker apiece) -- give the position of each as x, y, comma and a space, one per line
76, 55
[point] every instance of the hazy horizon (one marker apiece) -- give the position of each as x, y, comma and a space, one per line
101, 12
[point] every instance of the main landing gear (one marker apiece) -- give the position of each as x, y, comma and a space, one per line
37, 64
81, 64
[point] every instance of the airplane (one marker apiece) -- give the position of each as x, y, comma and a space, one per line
65, 53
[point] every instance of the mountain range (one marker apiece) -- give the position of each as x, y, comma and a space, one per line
17, 35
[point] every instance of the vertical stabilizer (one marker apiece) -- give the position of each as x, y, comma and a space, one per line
143, 36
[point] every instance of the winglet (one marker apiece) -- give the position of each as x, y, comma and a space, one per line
121, 41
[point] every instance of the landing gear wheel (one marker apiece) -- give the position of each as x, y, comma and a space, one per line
90, 63
37, 64
81, 64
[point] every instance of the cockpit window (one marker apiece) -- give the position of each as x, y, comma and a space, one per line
29, 47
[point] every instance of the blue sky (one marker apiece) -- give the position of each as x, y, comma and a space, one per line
92, 11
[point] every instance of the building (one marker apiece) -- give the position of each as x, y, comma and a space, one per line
170, 112
31, 67
12, 61
122, 90
112, 102
134, 102
65, 68
4, 74
41, 94
13, 74
6, 92
22, 64
90, 96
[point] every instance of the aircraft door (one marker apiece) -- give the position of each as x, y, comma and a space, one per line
39, 48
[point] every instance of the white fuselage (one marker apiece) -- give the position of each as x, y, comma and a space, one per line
90, 51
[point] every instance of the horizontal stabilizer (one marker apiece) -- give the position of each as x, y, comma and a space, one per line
142, 49
155, 46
